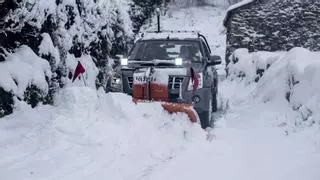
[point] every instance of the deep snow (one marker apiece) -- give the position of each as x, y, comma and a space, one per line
93, 135
90, 135
251, 142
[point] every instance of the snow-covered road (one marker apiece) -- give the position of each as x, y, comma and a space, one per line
250, 143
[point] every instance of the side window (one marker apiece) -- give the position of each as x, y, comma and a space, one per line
206, 50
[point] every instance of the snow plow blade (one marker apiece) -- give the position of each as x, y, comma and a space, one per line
159, 93
183, 108
176, 108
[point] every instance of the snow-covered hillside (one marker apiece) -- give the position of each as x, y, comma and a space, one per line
259, 133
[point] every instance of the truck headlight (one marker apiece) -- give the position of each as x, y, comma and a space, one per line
124, 61
116, 82
178, 61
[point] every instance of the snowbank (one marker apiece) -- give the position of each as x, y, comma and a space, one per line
91, 135
283, 77
22, 69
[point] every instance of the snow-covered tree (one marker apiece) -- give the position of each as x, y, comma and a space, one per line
62, 32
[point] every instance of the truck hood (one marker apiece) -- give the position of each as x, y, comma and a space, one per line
153, 63
162, 64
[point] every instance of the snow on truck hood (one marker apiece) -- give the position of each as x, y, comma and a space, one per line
160, 75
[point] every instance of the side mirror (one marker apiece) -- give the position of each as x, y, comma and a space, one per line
214, 60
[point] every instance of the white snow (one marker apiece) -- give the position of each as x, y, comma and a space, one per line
22, 69
90, 74
46, 47
294, 73
249, 63
90, 135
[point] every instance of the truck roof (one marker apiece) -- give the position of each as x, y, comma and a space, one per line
170, 35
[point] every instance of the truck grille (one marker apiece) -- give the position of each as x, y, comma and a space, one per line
130, 81
174, 82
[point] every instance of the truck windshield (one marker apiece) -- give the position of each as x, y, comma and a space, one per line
149, 50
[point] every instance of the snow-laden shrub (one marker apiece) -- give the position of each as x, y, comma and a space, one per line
24, 75
99, 28
284, 77
63, 33
23, 68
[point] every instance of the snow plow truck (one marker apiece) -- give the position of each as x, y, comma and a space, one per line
175, 68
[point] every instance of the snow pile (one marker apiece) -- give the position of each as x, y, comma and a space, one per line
92, 135
251, 66
22, 69
283, 77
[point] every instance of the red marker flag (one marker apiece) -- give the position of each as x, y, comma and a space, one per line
79, 70
194, 79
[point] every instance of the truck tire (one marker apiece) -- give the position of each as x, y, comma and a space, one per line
214, 91
205, 118
214, 103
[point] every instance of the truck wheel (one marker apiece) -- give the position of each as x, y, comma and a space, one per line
206, 116
214, 93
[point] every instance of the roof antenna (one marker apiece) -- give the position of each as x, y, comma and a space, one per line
158, 19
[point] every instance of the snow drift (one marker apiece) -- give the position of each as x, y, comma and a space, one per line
284, 77
91, 135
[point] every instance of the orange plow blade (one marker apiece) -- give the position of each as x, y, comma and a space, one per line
175, 108
159, 93
183, 108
